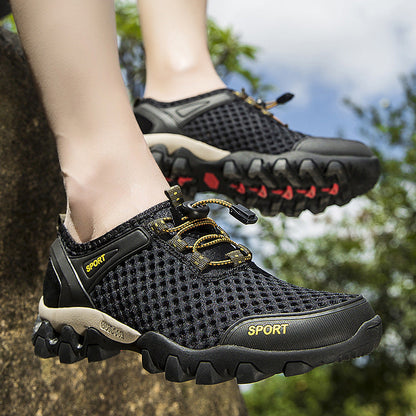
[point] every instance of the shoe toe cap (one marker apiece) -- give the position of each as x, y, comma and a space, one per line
332, 147
300, 331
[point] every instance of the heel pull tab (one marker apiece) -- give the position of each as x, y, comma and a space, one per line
175, 196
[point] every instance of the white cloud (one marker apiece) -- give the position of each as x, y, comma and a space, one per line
359, 47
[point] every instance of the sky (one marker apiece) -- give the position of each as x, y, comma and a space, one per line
324, 51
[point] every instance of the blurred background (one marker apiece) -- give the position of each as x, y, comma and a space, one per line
352, 68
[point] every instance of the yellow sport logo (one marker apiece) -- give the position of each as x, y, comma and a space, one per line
279, 329
95, 263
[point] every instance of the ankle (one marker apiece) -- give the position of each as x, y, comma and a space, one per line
178, 82
100, 202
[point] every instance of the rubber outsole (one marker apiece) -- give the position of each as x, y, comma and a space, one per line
289, 183
209, 366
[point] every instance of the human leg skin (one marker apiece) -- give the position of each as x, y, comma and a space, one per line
178, 64
109, 173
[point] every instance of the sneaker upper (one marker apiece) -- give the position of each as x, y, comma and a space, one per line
156, 287
232, 121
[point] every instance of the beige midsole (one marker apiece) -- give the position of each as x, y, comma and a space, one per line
82, 318
175, 141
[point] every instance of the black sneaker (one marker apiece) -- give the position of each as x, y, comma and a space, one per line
171, 285
224, 141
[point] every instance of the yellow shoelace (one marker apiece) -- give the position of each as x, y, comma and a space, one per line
236, 257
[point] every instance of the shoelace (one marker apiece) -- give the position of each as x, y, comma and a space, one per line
265, 106
194, 215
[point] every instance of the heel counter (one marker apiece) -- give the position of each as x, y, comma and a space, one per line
146, 126
51, 287
152, 119
71, 292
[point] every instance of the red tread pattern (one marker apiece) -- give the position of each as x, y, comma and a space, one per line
183, 179
262, 193
311, 193
288, 193
334, 190
211, 181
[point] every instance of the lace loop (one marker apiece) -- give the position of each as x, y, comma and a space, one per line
218, 236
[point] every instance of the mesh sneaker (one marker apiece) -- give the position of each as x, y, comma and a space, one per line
227, 142
171, 285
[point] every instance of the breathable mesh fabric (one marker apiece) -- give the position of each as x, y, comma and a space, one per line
158, 289
154, 291
237, 126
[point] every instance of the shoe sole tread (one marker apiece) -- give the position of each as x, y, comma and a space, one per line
208, 366
289, 183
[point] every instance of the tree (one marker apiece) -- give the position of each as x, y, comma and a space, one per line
372, 253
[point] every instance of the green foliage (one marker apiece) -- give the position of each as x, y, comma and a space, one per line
228, 54
130, 47
8, 23
373, 253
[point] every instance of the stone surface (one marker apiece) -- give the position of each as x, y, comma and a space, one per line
31, 196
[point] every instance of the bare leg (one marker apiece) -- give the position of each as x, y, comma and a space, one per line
109, 174
177, 58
